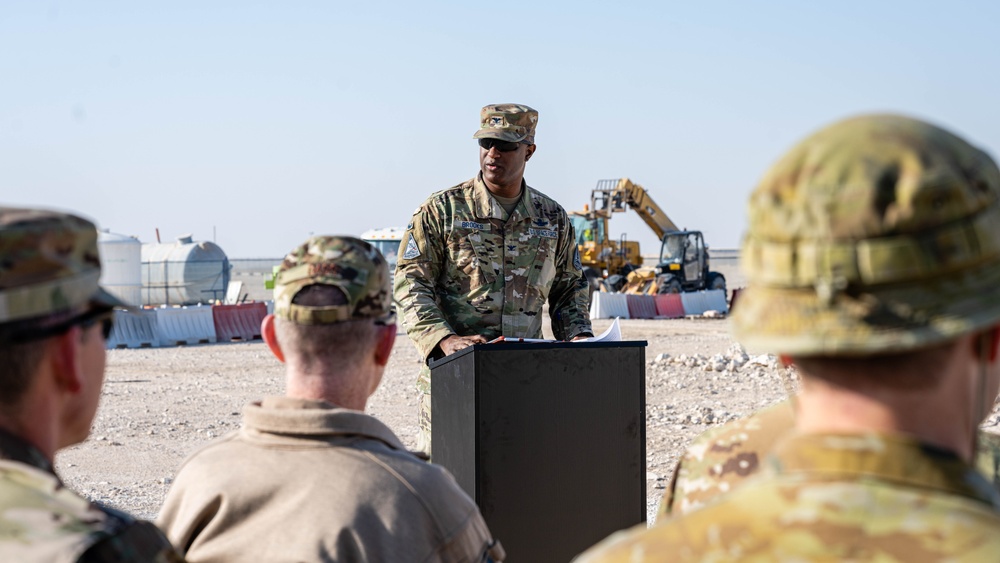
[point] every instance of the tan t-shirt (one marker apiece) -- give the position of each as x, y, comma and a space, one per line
308, 481
508, 203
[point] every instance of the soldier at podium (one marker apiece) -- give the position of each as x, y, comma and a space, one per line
480, 259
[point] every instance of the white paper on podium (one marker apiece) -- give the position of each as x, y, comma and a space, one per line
613, 334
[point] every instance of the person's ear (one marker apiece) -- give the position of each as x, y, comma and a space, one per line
65, 360
529, 151
270, 338
383, 348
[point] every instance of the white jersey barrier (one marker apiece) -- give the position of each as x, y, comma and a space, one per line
185, 325
134, 329
608, 305
611, 305
700, 302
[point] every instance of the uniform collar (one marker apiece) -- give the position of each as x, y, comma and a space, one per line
489, 208
893, 458
319, 419
14, 448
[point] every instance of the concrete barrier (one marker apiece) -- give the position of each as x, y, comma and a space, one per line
641, 306
185, 325
238, 322
698, 302
134, 330
608, 305
669, 305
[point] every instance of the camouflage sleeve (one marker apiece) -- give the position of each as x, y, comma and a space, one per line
139, 541
417, 271
569, 300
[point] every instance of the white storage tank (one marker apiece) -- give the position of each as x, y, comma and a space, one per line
121, 268
183, 272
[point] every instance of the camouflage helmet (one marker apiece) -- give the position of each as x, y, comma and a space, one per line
48, 264
507, 122
877, 234
350, 264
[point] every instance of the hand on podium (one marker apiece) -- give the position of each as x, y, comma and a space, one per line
454, 343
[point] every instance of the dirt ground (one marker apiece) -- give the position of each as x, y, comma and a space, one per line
159, 405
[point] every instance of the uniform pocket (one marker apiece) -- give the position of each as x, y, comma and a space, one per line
543, 266
470, 260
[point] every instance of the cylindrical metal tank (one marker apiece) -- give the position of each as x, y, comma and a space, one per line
183, 272
121, 269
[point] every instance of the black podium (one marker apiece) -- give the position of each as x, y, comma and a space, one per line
549, 439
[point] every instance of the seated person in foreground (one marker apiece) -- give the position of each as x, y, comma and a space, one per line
309, 476
54, 323
873, 257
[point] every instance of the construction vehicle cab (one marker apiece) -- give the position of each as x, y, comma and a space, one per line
387, 242
683, 264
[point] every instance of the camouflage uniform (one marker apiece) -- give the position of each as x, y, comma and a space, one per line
824, 497
42, 520
50, 269
467, 268
877, 235
722, 459
306, 480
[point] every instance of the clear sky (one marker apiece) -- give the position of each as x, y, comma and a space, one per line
263, 122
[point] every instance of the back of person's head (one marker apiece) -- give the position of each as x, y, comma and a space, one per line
330, 295
49, 272
876, 236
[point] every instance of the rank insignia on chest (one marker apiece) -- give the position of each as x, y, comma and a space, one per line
412, 250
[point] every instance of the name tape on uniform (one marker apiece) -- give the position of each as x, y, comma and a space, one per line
543, 233
473, 225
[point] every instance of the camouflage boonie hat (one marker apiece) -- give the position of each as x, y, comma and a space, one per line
351, 264
507, 122
878, 234
48, 264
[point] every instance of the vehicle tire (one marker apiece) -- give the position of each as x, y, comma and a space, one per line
716, 281
615, 282
670, 285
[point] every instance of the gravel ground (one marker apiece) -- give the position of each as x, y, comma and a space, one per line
159, 405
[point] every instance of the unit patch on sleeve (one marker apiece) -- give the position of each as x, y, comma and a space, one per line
411, 249
576, 259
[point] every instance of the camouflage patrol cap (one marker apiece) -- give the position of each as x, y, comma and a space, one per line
878, 234
507, 122
48, 264
351, 264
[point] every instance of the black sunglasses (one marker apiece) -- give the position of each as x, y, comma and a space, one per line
502, 146
85, 320
107, 321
